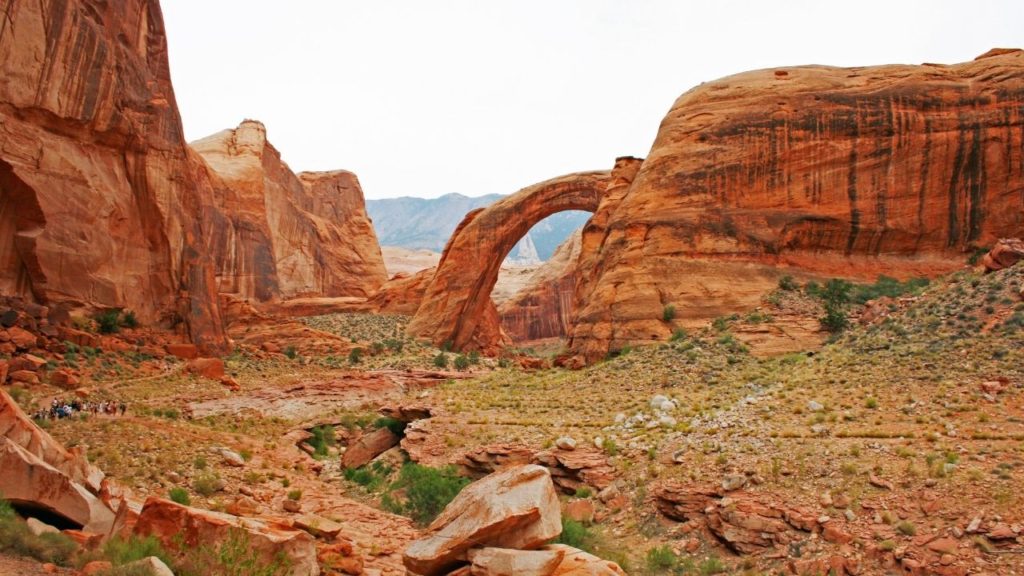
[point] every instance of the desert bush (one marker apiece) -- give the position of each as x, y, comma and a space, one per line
179, 495
660, 560
206, 484
127, 550
575, 534
441, 360
355, 356
422, 492
322, 440
461, 362
235, 556
108, 322
668, 313
788, 284
395, 425
291, 352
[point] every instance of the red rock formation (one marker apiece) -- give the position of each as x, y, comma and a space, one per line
403, 293
833, 171
283, 235
456, 305
100, 201
544, 308
1006, 253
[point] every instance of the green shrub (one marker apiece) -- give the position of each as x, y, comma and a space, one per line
661, 559
206, 484
422, 492
677, 335
128, 319
370, 477
712, 565
321, 441
668, 313
108, 322
355, 356
834, 320
474, 357
291, 352
180, 495
125, 551
295, 494
441, 360
906, 528
575, 534
583, 492
235, 556
395, 425
788, 284
461, 362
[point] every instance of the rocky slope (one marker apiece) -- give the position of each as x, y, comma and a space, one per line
101, 204
831, 171
282, 235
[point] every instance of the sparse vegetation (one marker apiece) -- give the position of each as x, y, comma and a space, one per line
422, 492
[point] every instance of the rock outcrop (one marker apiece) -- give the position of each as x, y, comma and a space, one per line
282, 235
39, 474
456, 306
848, 172
101, 203
515, 508
184, 530
544, 308
1006, 253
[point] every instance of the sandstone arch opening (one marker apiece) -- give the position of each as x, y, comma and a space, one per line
457, 309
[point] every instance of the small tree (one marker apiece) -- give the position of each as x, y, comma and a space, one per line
668, 313
441, 360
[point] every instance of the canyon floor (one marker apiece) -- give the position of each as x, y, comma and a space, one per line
896, 444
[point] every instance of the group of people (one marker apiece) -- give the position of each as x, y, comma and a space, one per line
60, 409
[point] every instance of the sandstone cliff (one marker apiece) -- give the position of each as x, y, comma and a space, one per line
100, 202
284, 235
832, 171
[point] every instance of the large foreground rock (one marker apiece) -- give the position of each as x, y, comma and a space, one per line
1006, 253
37, 472
26, 480
515, 508
182, 529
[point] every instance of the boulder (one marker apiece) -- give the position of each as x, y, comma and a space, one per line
150, 565
508, 562
22, 338
514, 508
24, 377
64, 378
29, 362
318, 526
1006, 253
181, 528
183, 350
18, 428
30, 481
209, 368
369, 446
39, 527
576, 562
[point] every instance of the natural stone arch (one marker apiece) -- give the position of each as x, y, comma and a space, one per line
456, 307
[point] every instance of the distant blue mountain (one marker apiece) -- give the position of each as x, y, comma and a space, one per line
427, 223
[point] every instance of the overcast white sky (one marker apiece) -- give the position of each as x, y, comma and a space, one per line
425, 98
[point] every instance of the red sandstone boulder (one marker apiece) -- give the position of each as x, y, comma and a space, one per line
514, 508
369, 446
209, 368
508, 562
184, 351
28, 480
1006, 253
181, 528
22, 338
576, 562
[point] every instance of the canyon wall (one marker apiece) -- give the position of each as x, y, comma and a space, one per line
854, 172
283, 235
101, 203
